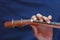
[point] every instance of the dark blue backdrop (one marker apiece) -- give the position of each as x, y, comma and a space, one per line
17, 9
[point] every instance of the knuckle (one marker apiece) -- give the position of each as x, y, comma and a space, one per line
39, 15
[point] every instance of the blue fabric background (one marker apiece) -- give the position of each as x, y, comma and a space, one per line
17, 9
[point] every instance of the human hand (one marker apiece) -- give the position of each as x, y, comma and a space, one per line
42, 32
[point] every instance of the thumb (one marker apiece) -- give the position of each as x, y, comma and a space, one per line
34, 29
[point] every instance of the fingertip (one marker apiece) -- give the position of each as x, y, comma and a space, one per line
46, 19
34, 17
50, 17
31, 20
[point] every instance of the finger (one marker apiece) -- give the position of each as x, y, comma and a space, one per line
46, 19
33, 17
35, 30
50, 17
39, 17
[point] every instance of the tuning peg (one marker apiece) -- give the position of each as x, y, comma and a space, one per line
12, 21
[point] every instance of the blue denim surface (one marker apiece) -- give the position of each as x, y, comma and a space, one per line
17, 9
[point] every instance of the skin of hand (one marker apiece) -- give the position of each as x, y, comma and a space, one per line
42, 32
